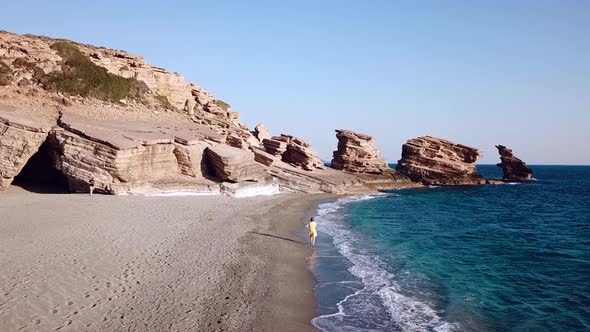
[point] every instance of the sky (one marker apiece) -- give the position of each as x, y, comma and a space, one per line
479, 73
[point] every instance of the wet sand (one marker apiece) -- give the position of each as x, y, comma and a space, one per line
130, 263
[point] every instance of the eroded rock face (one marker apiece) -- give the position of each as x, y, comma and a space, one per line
261, 132
121, 159
293, 151
20, 138
233, 164
513, 169
174, 136
435, 161
264, 157
275, 147
27, 58
357, 154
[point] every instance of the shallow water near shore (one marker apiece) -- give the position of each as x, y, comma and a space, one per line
483, 258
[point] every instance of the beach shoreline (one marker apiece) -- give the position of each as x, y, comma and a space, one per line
208, 263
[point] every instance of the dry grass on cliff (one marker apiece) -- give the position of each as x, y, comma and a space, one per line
224, 106
5, 73
82, 77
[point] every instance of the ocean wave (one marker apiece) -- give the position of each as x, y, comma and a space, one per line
379, 305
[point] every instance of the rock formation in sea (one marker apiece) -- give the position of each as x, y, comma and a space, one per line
513, 169
357, 154
92, 113
435, 161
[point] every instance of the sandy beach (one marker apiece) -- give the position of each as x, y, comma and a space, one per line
134, 263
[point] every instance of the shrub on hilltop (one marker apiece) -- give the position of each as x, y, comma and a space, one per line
80, 76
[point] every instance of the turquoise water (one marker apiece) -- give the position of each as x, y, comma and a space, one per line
485, 258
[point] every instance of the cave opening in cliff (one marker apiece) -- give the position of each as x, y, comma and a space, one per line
40, 174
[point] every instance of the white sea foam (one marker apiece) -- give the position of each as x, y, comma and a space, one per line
172, 193
406, 313
237, 192
255, 190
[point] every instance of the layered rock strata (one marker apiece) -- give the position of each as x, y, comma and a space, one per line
20, 138
357, 154
33, 61
163, 134
294, 151
513, 168
435, 161
120, 159
261, 132
234, 165
300, 154
275, 147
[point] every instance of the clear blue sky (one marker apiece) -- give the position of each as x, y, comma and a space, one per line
476, 72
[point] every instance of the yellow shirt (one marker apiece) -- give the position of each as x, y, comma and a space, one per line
312, 230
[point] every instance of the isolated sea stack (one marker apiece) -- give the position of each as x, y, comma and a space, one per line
357, 154
513, 169
435, 161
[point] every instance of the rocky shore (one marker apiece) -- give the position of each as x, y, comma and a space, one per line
75, 114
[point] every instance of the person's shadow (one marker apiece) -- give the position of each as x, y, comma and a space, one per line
280, 237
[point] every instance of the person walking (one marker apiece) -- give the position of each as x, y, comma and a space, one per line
312, 231
91, 185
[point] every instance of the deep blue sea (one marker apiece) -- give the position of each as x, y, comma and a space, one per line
512, 257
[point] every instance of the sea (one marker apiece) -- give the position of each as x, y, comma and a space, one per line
513, 257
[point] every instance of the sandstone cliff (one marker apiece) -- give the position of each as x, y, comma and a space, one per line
109, 116
20, 137
357, 154
513, 169
435, 161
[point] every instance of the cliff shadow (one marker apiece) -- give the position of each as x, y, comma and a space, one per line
40, 175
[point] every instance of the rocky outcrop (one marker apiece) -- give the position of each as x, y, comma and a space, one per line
155, 133
275, 146
329, 180
264, 157
233, 164
261, 132
435, 161
20, 138
122, 159
513, 169
357, 154
294, 151
35, 61
300, 154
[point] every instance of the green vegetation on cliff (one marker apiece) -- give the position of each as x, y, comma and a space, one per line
224, 106
80, 76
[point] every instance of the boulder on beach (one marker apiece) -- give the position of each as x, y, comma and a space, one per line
234, 164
